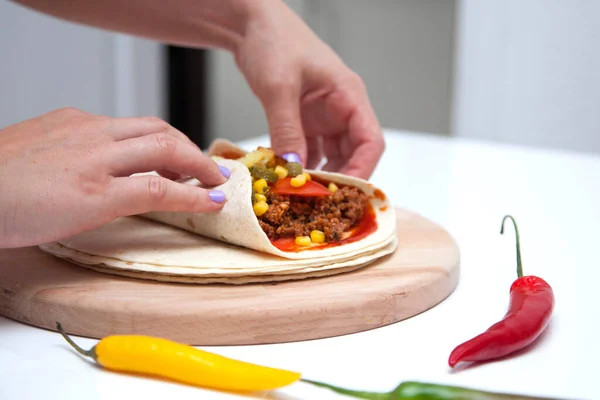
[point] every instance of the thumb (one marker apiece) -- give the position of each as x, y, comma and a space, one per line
285, 124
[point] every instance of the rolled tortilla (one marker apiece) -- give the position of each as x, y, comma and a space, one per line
237, 224
228, 246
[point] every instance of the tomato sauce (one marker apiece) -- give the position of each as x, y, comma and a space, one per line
366, 226
379, 194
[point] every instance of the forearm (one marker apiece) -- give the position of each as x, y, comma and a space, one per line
190, 23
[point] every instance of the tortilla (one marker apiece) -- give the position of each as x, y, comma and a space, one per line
236, 223
133, 241
235, 280
228, 246
139, 248
202, 276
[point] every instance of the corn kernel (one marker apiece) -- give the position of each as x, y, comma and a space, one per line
332, 187
303, 241
281, 171
298, 181
260, 186
317, 236
307, 176
260, 197
260, 208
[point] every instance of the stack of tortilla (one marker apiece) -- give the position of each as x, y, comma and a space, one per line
227, 246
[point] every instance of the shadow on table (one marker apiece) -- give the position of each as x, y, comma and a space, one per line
276, 396
8, 323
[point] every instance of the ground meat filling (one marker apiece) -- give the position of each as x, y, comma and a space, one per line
293, 216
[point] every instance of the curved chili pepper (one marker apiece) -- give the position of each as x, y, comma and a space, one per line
530, 308
185, 364
427, 391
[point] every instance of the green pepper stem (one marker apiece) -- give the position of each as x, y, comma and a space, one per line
353, 393
422, 390
89, 353
519, 264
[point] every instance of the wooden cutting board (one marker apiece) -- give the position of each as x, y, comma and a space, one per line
39, 289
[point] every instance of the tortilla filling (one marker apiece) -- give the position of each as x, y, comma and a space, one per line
290, 204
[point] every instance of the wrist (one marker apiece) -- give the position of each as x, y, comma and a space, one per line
220, 24
230, 19
252, 15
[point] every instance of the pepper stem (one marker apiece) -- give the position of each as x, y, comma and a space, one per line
519, 263
89, 353
352, 393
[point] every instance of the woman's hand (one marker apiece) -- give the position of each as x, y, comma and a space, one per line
315, 105
68, 171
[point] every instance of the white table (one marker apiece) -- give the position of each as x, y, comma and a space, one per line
465, 186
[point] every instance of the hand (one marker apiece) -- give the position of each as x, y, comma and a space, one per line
315, 105
68, 171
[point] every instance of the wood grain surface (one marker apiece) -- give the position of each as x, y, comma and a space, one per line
39, 289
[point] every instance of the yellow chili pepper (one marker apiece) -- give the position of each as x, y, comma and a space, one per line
164, 358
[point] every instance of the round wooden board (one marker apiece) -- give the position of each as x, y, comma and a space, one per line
39, 289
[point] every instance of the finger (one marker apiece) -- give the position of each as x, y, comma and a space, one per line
141, 194
366, 139
170, 175
364, 161
282, 107
129, 128
335, 160
314, 152
163, 152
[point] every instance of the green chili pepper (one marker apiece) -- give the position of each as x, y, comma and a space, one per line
294, 169
268, 175
426, 391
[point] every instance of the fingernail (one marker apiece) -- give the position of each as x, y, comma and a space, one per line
291, 157
225, 171
217, 196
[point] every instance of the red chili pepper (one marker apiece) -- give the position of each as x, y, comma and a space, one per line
531, 305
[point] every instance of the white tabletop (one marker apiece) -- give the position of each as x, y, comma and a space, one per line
465, 186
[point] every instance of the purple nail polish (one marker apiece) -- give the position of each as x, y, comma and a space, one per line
225, 171
291, 157
217, 196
